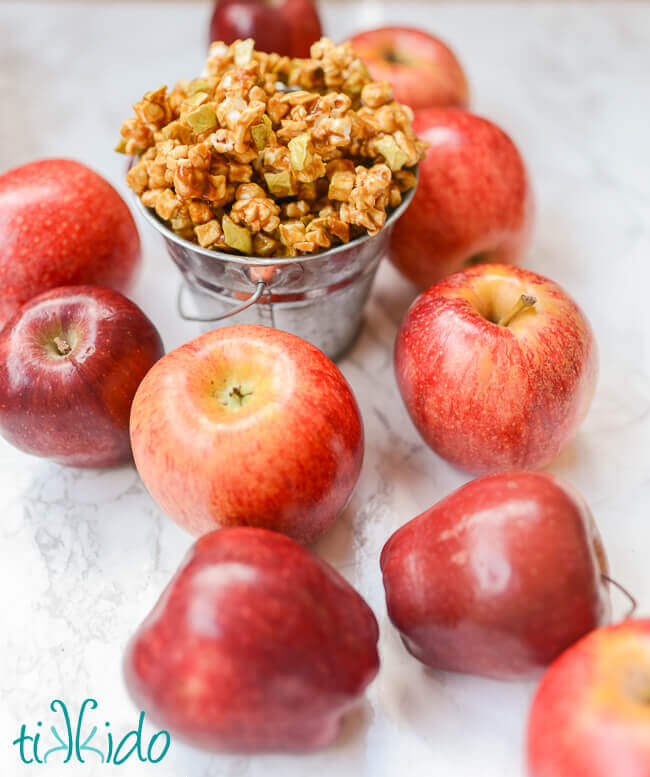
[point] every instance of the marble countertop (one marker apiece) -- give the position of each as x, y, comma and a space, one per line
86, 553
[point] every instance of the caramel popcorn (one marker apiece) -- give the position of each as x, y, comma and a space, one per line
270, 156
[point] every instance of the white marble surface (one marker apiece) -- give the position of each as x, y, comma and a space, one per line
85, 554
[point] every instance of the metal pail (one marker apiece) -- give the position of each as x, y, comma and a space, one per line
319, 297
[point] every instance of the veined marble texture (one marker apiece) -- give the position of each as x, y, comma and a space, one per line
85, 554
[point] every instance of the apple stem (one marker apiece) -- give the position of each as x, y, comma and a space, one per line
62, 346
523, 303
633, 602
239, 394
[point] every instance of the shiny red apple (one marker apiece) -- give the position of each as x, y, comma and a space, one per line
423, 71
591, 714
255, 645
473, 203
497, 367
61, 224
71, 360
248, 425
287, 27
498, 578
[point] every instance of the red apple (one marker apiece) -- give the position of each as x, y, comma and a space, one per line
71, 360
61, 224
591, 714
473, 203
499, 577
248, 425
497, 367
255, 645
423, 71
287, 27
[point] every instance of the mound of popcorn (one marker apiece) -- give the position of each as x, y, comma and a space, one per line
269, 156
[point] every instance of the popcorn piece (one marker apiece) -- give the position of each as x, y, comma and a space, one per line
209, 233
292, 232
138, 136
376, 94
199, 212
138, 177
339, 165
188, 181
243, 51
394, 196
239, 173
163, 201
249, 191
258, 213
153, 108
338, 228
315, 236
367, 201
200, 156
341, 185
296, 210
404, 179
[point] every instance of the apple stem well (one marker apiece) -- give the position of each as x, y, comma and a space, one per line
62, 346
637, 683
395, 57
523, 303
633, 602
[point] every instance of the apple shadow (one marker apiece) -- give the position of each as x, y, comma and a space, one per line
348, 745
400, 479
53, 484
336, 545
354, 726
567, 460
431, 703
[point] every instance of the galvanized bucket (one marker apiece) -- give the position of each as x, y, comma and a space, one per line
319, 297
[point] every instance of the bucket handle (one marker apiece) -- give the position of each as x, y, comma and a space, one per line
259, 290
